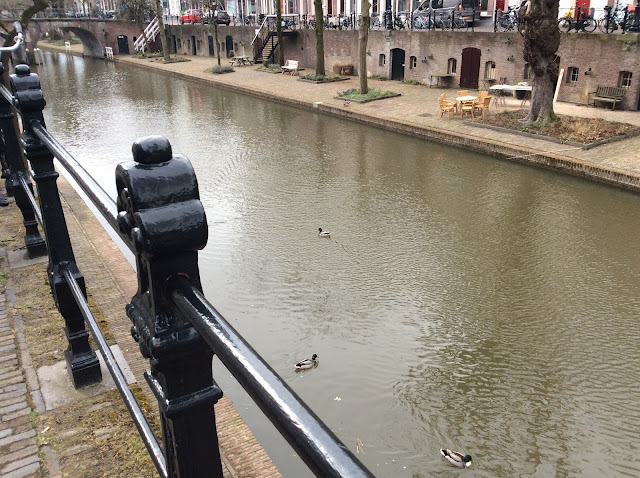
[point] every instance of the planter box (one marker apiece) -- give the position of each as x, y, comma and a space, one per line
366, 101
323, 82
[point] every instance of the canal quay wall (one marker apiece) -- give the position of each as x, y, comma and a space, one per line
588, 61
415, 113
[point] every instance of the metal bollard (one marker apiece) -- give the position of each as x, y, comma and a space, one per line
160, 211
81, 359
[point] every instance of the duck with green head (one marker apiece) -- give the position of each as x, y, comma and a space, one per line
455, 458
307, 363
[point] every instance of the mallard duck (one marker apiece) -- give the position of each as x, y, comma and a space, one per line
307, 363
322, 233
455, 458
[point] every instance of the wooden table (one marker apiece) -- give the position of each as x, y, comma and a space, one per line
466, 99
241, 60
438, 77
512, 88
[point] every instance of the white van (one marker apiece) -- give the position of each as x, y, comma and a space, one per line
469, 9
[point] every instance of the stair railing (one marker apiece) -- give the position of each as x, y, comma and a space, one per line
151, 32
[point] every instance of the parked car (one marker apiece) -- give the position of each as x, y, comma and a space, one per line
223, 18
191, 16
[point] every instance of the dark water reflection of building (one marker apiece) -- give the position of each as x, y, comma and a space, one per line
462, 301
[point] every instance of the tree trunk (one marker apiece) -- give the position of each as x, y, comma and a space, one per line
363, 38
541, 42
279, 32
319, 38
215, 36
163, 32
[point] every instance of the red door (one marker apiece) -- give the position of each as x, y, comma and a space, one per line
582, 6
470, 69
500, 5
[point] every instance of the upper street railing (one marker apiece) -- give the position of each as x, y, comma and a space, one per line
159, 216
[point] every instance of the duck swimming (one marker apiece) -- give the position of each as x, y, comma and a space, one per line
307, 363
322, 233
455, 458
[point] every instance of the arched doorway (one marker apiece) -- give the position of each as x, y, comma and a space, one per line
470, 69
397, 64
228, 43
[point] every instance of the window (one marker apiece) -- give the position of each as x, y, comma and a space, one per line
490, 70
572, 74
451, 66
413, 61
624, 79
382, 60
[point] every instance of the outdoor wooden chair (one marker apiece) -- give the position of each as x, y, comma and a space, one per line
463, 92
446, 105
469, 107
482, 105
481, 95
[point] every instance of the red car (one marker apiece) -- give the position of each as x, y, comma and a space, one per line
191, 16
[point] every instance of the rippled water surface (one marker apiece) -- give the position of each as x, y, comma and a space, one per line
461, 301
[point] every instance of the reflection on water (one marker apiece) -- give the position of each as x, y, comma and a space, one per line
461, 301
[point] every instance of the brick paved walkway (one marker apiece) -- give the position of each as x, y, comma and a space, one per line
111, 282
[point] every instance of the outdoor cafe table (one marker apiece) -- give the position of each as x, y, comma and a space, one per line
241, 60
511, 88
465, 99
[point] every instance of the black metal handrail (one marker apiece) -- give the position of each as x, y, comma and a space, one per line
177, 329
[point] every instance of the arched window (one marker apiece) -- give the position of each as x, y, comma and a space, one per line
490, 70
624, 79
451, 66
572, 74
382, 60
413, 61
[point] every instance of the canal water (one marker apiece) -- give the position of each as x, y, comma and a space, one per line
461, 301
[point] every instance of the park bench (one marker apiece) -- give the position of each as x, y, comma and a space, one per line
608, 94
290, 66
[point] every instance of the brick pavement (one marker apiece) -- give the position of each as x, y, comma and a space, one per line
111, 281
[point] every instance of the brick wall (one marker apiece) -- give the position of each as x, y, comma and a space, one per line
606, 55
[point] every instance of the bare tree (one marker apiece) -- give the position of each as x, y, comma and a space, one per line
138, 10
363, 39
279, 32
317, 4
541, 42
163, 32
31, 8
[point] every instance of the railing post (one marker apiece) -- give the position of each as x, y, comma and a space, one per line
81, 359
36, 246
160, 210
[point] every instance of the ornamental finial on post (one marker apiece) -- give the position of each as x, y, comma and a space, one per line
159, 210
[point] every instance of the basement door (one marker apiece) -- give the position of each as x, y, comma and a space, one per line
470, 69
397, 64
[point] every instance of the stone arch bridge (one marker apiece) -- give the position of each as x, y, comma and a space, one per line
95, 34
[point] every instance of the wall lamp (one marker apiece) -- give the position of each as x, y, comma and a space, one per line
588, 72
510, 58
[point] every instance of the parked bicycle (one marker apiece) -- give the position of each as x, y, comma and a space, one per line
584, 23
612, 19
422, 22
375, 21
509, 20
450, 21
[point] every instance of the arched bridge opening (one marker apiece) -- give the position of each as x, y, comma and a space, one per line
94, 34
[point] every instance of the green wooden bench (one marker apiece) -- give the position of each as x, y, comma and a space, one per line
608, 94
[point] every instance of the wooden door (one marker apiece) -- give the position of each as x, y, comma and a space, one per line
470, 69
397, 64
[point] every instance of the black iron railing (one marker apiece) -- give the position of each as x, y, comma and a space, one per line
159, 216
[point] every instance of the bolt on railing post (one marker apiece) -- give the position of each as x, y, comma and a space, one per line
81, 359
36, 246
160, 211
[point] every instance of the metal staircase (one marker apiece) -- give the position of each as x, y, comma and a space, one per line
267, 39
151, 32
